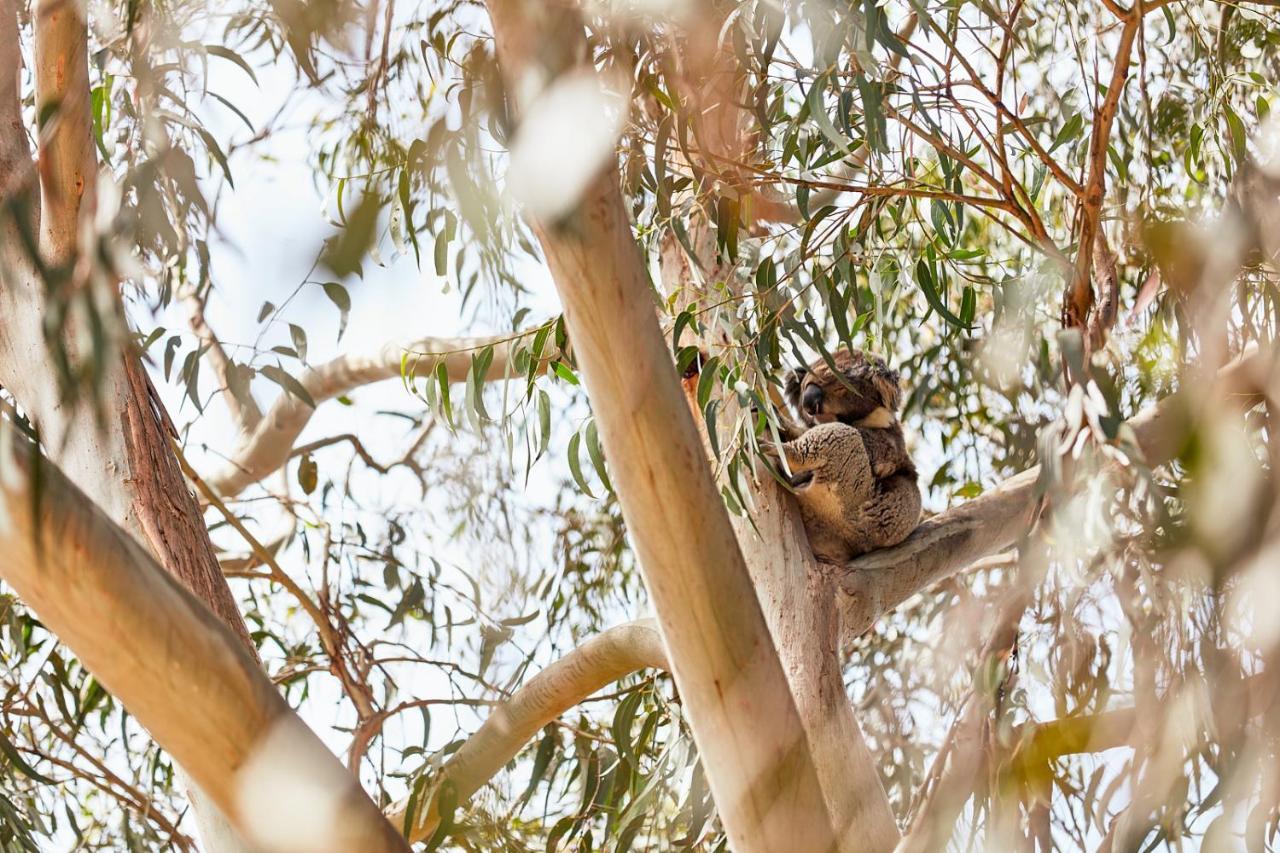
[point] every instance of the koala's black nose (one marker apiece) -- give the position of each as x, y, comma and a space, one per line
811, 400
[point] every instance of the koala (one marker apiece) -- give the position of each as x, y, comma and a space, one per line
848, 458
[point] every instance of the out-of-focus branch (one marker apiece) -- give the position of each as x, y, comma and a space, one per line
269, 444
960, 761
595, 664
951, 541
138, 631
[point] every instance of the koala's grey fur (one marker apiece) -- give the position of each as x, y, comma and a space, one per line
848, 457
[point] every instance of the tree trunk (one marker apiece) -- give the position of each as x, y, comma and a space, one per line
757, 757
798, 597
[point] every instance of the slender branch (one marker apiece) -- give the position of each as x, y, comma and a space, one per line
595, 664
107, 780
268, 446
951, 541
1079, 298
330, 637
244, 409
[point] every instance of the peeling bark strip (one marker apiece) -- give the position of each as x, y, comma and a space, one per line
165, 656
598, 662
164, 507
744, 718
268, 445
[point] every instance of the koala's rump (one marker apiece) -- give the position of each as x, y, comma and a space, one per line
846, 510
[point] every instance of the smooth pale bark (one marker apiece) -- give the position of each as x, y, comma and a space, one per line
798, 596
743, 717
267, 445
177, 668
951, 541
597, 663
796, 593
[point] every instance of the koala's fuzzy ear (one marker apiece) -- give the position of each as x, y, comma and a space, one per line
886, 382
791, 386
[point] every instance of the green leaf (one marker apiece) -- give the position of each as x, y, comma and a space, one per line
597, 455
191, 375
446, 806
544, 422
308, 473
231, 56
282, 378
406, 205
1069, 131
170, 350
215, 151
925, 276
562, 370
818, 111
339, 296
872, 112
442, 380
1239, 136
299, 338
541, 760
345, 253
623, 719
727, 221
575, 465
707, 380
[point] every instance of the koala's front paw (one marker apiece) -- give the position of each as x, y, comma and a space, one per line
772, 454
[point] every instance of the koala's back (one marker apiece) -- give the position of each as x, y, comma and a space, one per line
846, 509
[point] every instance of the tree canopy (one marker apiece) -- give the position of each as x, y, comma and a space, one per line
1058, 221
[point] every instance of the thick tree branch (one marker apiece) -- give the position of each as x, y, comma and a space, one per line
948, 543
269, 444
139, 632
744, 717
595, 664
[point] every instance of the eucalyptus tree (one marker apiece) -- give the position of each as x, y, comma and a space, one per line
1059, 221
